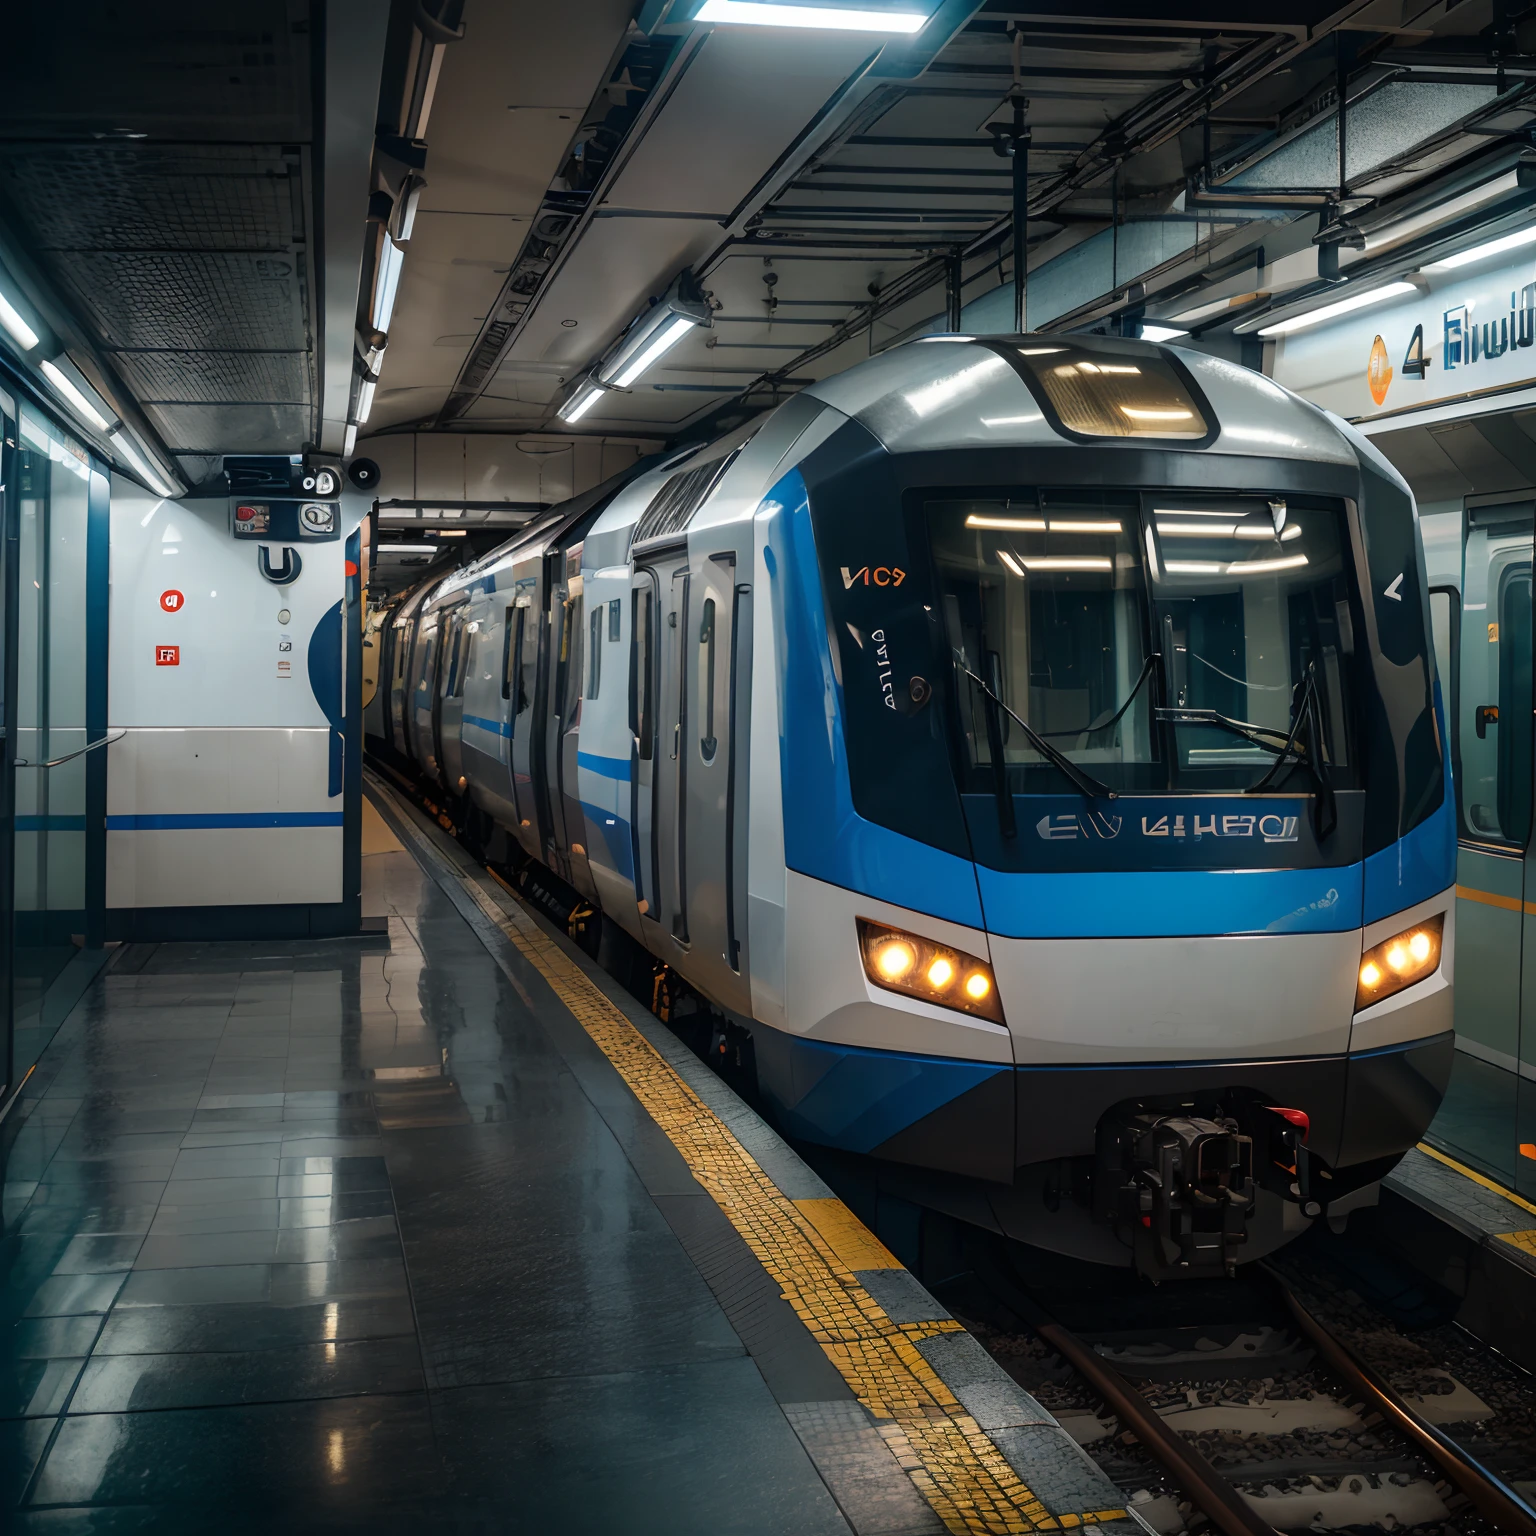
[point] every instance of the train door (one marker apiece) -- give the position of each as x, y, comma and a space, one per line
643, 726
572, 690
423, 680
673, 761
564, 604
527, 648
1483, 1115
715, 672
450, 708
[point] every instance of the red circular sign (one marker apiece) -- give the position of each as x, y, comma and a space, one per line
172, 601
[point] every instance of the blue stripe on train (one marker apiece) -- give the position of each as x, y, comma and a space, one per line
495, 727
604, 767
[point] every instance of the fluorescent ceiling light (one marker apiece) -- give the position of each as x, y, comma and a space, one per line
1065, 563
387, 284
1197, 530
1012, 564
1161, 332
20, 332
407, 549
1011, 421
65, 386
1259, 567
1058, 526
1012, 524
751, 14
1137, 413
1487, 248
1339, 307
1193, 567
138, 465
666, 338
580, 403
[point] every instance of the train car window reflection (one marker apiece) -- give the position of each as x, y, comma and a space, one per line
641, 721
1252, 601
707, 742
595, 652
1445, 632
613, 619
518, 662
506, 654
1044, 596
1494, 687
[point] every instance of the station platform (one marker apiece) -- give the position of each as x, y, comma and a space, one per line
448, 1233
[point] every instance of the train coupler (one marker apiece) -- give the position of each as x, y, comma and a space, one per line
1179, 1190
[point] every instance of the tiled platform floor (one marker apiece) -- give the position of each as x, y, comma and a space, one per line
315, 1237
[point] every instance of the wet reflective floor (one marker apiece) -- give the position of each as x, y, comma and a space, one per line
319, 1236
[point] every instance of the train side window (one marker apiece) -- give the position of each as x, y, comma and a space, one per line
1494, 695
707, 742
595, 652
640, 702
506, 654
613, 619
1445, 635
519, 635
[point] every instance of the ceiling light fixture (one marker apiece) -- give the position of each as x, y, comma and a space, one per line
138, 464
654, 333
662, 341
20, 332
750, 13
386, 285
581, 402
1338, 307
1161, 332
71, 392
1480, 252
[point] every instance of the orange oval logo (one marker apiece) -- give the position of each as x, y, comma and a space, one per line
1379, 374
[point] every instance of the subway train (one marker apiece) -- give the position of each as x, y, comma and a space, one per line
1032, 745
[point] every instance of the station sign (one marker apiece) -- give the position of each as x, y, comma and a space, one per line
1461, 335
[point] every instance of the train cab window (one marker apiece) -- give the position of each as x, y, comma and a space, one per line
1045, 609
595, 652
1495, 697
1099, 390
707, 742
1251, 600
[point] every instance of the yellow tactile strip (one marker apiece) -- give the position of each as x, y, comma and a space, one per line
1525, 1240
811, 1251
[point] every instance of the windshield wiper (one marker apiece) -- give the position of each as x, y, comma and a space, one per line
1249, 732
1130, 698
1084, 783
1308, 713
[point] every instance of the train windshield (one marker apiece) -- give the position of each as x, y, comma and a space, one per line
1154, 641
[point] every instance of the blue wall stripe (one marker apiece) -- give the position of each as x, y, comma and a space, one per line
604, 767
495, 727
224, 820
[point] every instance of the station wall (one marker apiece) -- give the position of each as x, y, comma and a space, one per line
234, 787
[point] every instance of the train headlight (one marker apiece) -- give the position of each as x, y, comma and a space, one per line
936, 973
1400, 961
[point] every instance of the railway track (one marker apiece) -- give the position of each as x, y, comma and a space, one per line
1285, 1402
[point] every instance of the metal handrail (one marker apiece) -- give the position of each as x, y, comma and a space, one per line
69, 757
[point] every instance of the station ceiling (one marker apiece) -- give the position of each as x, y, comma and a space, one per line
185, 191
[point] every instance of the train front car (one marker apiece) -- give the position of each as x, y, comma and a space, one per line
1116, 818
